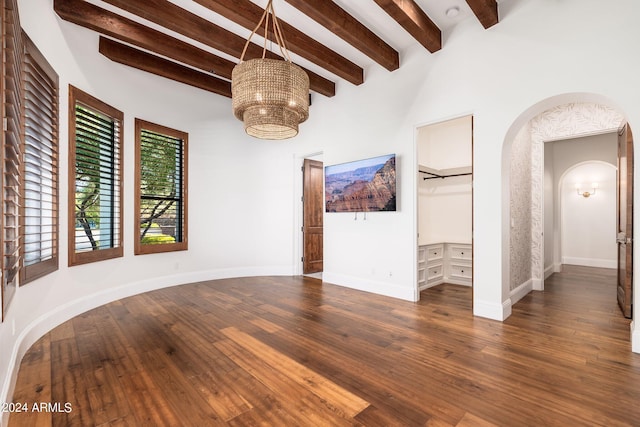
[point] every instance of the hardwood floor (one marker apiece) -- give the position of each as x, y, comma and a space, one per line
273, 351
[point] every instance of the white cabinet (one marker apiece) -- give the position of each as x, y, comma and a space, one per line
435, 257
444, 262
422, 267
459, 265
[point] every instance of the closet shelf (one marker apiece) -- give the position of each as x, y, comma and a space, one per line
443, 173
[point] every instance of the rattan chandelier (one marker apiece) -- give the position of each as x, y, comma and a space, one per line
271, 96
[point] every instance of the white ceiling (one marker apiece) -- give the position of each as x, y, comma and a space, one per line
365, 11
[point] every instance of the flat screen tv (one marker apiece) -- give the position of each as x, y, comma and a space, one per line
367, 185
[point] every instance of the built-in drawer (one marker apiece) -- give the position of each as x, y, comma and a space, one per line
434, 252
460, 252
434, 272
457, 270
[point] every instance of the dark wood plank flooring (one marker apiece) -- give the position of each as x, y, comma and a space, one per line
278, 351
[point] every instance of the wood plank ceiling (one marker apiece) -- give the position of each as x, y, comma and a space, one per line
138, 43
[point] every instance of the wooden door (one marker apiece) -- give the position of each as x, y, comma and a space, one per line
625, 220
313, 206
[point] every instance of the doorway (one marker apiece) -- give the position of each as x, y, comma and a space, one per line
527, 249
314, 207
586, 195
312, 217
445, 203
580, 202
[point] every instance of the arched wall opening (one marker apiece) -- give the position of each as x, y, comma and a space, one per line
570, 115
586, 197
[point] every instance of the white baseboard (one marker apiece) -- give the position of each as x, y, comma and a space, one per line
492, 310
635, 338
590, 262
537, 285
550, 270
454, 281
429, 285
518, 293
49, 320
376, 287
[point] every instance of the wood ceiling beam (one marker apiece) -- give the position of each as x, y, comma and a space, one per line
248, 14
168, 15
485, 10
144, 61
108, 23
338, 21
413, 19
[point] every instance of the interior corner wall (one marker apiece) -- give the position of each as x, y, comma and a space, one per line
445, 205
444, 210
568, 155
559, 157
589, 223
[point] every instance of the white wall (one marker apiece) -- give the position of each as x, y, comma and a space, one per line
444, 205
444, 210
242, 191
561, 156
589, 223
232, 181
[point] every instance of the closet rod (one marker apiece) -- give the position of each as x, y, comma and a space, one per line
435, 175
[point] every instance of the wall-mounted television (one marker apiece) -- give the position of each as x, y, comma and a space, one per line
367, 185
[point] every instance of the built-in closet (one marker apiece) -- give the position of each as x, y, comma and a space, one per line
444, 152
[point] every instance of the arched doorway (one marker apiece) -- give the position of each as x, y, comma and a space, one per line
586, 215
524, 199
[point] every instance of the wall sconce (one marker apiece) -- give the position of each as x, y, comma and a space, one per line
586, 194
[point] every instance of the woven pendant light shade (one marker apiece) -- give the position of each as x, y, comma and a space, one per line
270, 96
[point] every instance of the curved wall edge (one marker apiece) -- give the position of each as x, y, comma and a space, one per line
51, 319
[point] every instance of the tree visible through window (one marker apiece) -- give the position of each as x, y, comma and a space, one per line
95, 150
161, 158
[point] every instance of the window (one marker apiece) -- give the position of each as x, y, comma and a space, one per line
161, 196
95, 213
40, 190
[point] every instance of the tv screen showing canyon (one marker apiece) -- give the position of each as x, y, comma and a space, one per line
367, 185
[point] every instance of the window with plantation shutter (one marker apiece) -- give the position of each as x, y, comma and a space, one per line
161, 189
11, 154
40, 190
95, 149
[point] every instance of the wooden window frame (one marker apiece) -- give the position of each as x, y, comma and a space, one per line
139, 248
47, 75
77, 96
12, 60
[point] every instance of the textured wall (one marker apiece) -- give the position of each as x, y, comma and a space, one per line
520, 208
564, 121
